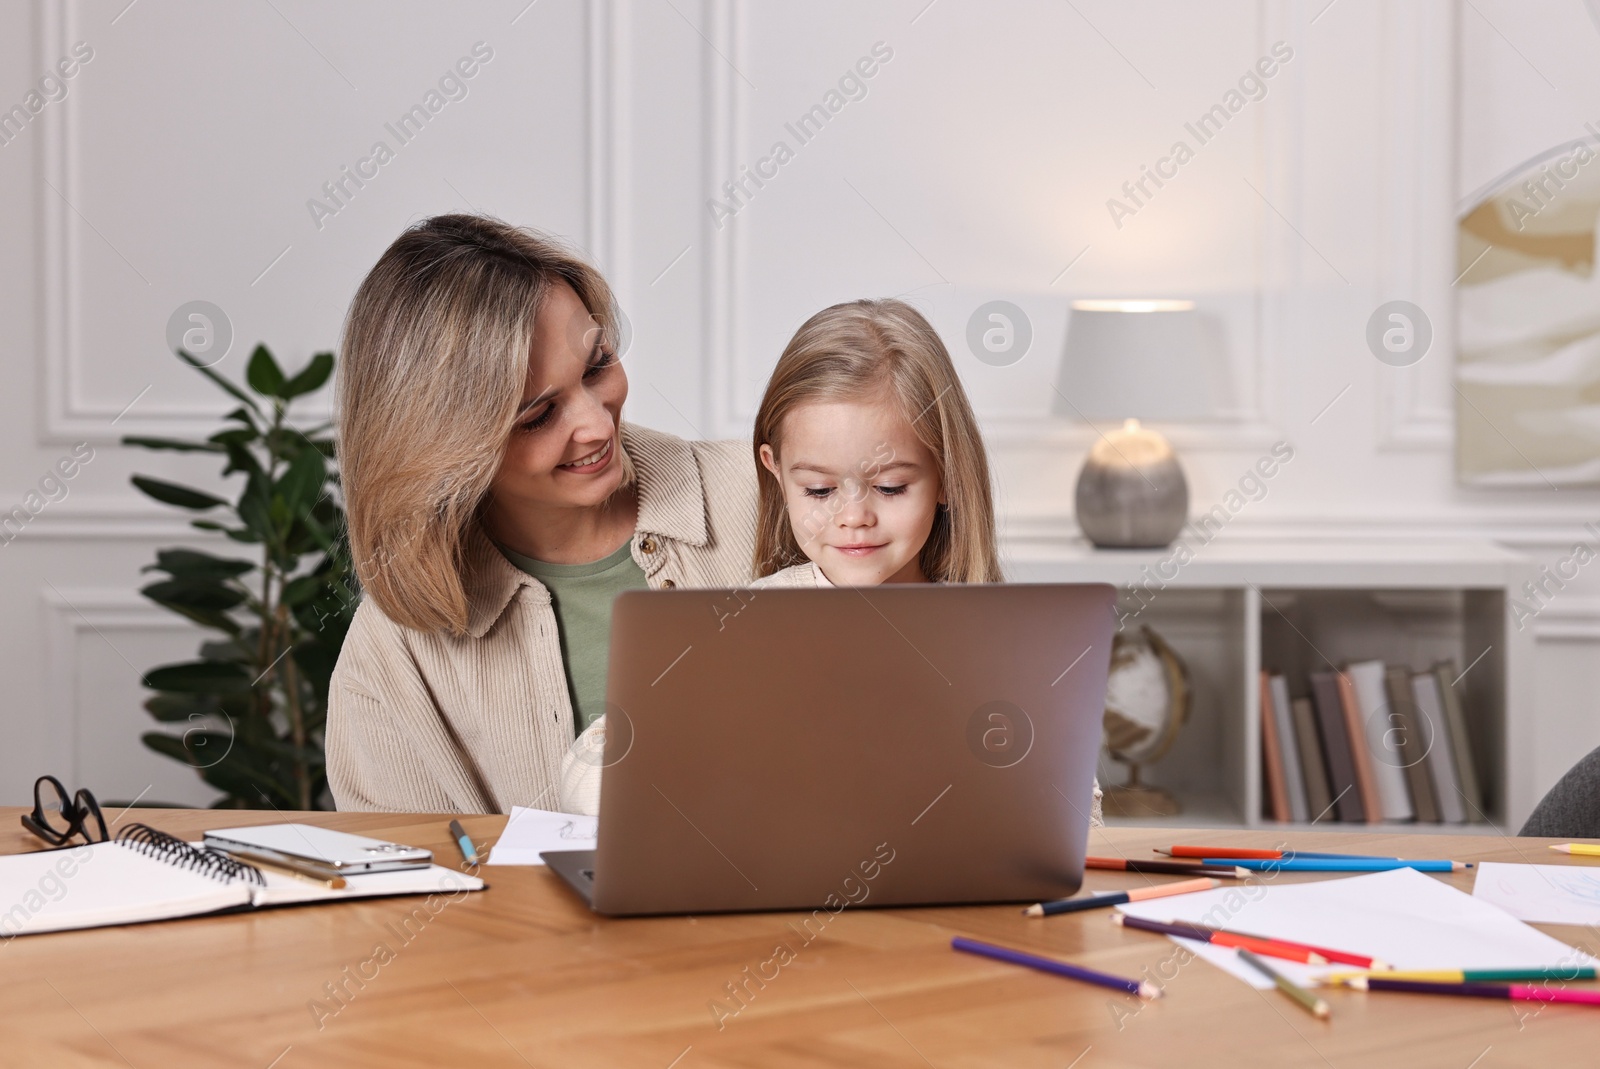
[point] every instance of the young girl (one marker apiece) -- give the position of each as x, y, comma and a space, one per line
874, 470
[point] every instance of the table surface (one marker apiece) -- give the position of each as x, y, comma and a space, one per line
524, 975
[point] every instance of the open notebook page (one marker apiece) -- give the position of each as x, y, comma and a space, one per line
107, 883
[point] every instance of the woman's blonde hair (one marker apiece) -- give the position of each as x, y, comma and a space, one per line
860, 351
432, 367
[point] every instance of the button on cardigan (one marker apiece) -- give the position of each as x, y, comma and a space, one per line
478, 723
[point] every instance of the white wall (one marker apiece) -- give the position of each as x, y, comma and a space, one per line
977, 166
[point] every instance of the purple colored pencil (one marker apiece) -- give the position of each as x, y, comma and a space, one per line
1050, 965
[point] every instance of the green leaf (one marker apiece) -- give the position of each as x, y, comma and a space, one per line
194, 593
243, 416
173, 494
254, 507
310, 378
241, 458
316, 661
227, 650
302, 483
192, 564
263, 373
220, 381
197, 748
198, 677
301, 590
248, 776
176, 445
170, 708
233, 436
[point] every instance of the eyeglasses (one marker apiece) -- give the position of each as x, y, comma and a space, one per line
59, 818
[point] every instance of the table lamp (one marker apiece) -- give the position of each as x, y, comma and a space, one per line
1131, 360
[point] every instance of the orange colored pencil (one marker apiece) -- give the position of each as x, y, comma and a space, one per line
1117, 898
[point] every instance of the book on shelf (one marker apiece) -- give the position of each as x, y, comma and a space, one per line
1385, 756
1371, 742
1441, 749
1294, 783
1360, 756
1309, 743
1277, 793
1448, 675
1348, 797
1415, 738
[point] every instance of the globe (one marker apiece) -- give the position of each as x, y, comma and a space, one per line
1147, 700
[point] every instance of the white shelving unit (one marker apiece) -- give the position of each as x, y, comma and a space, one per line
1297, 606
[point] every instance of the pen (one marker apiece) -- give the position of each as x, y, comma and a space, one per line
327, 877
464, 841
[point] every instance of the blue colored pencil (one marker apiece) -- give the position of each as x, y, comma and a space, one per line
1302, 863
1059, 968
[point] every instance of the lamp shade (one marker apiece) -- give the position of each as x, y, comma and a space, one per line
1134, 358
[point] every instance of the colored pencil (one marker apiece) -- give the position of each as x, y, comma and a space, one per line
1319, 955
1514, 992
1336, 864
1584, 849
1170, 868
1232, 852
469, 853
1143, 989
1117, 898
1467, 976
1312, 1002
1217, 937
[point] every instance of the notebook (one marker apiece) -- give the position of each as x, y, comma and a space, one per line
147, 875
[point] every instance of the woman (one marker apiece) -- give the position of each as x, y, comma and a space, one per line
496, 504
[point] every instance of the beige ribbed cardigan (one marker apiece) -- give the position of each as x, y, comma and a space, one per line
424, 722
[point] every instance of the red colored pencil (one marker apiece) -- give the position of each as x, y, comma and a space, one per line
1341, 957
1217, 937
1171, 868
1222, 851
1241, 853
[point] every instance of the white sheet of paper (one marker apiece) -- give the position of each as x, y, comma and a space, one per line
1543, 894
530, 831
1404, 917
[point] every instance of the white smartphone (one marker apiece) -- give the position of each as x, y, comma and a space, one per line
346, 853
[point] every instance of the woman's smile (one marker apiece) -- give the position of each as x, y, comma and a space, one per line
592, 463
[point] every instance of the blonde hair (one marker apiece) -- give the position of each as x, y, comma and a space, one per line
865, 349
432, 367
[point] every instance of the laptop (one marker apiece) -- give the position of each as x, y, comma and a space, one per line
817, 749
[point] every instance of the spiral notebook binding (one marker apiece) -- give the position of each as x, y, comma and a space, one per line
173, 850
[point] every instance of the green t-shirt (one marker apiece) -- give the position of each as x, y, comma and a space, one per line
581, 595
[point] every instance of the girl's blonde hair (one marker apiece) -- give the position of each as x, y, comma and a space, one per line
432, 367
863, 350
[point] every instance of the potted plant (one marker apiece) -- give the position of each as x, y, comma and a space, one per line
253, 704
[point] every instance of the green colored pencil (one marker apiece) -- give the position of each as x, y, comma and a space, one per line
1312, 1003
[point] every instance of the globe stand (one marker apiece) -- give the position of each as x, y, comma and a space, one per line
1135, 799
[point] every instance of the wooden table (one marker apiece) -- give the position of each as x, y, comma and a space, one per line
524, 975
